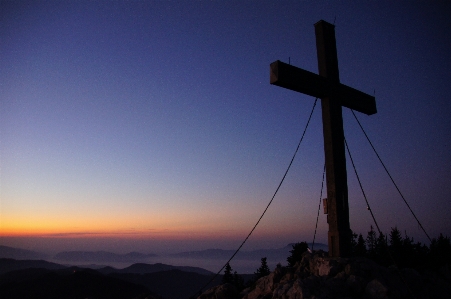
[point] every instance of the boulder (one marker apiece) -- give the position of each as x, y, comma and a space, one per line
265, 285
324, 266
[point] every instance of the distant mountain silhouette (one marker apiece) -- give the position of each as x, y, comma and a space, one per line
7, 265
101, 256
20, 254
77, 283
141, 268
271, 254
48, 280
172, 284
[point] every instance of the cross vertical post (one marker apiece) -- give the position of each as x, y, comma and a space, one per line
333, 95
339, 235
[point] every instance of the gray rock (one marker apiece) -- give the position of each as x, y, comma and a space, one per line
323, 266
320, 277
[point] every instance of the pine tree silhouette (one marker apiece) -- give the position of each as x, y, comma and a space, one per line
263, 270
228, 277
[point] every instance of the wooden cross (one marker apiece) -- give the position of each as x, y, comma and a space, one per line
333, 95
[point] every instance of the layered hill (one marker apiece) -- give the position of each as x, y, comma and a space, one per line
41, 279
142, 268
20, 254
8, 265
278, 253
67, 283
100, 256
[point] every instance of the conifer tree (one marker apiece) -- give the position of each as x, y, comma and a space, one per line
227, 278
238, 281
371, 242
395, 238
440, 252
353, 242
360, 248
380, 250
263, 270
396, 244
296, 253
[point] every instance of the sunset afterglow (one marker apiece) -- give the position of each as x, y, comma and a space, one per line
152, 125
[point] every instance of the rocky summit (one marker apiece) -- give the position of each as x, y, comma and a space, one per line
319, 276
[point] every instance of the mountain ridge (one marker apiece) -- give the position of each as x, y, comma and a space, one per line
48, 279
144, 268
216, 253
78, 283
20, 254
8, 265
101, 256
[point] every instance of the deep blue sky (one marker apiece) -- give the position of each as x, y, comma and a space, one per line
152, 123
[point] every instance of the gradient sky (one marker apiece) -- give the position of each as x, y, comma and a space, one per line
151, 125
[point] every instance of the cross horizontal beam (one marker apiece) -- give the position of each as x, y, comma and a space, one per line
294, 78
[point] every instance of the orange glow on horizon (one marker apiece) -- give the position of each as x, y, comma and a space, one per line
61, 231
149, 234
140, 226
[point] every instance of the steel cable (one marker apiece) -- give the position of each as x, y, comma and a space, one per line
391, 178
278, 187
